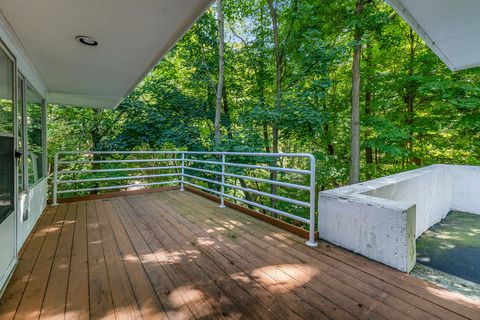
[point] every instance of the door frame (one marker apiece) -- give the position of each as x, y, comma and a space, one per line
24, 142
14, 134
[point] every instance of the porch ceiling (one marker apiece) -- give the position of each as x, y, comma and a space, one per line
133, 36
450, 28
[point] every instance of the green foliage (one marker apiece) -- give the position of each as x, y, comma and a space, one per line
173, 108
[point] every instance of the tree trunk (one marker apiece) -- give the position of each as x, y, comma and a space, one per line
278, 86
355, 124
278, 70
410, 94
221, 66
368, 107
266, 140
96, 139
326, 128
226, 111
260, 75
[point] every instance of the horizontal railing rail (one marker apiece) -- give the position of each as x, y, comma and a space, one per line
225, 174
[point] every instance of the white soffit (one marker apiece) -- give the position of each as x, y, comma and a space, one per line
133, 36
451, 28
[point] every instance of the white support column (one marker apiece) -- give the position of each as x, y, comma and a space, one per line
183, 172
222, 191
311, 240
55, 180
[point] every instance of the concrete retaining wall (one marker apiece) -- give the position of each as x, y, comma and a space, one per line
382, 218
466, 189
430, 189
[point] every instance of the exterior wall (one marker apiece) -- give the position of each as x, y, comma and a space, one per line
34, 202
13, 231
7, 250
382, 218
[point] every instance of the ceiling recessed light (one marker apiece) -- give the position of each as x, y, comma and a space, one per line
86, 41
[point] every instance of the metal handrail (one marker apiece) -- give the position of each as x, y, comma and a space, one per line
217, 165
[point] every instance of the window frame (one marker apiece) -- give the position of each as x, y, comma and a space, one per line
43, 118
4, 48
23, 107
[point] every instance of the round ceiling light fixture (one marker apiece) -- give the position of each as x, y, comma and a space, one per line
87, 41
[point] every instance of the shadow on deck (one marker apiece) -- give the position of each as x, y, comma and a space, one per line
176, 255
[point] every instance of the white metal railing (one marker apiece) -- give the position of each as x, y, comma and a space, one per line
183, 168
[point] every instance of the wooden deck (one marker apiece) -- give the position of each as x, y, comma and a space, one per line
176, 255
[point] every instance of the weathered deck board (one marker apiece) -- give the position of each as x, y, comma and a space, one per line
176, 255
77, 303
34, 294
56, 294
349, 272
12, 297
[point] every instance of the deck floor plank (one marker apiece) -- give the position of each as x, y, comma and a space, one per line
53, 306
295, 297
124, 300
184, 290
32, 298
29, 255
443, 304
263, 296
175, 304
349, 284
338, 293
100, 292
148, 302
177, 255
182, 250
77, 303
219, 281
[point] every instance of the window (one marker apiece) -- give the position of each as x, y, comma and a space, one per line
35, 136
7, 169
7, 174
20, 115
6, 94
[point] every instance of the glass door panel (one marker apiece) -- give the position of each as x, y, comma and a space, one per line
7, 177
35, 136
20, 143
7, 147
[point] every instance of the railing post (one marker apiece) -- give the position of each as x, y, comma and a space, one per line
183, 171
311, 239
222, 186
55, 180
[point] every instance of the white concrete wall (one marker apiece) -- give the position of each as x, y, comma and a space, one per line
380, 229
466, 189
430, 189
382, 218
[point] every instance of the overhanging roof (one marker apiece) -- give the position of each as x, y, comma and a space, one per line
451, 28
133, 36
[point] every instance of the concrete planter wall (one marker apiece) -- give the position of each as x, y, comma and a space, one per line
381, 218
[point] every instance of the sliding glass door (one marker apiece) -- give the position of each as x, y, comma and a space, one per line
7, 163
7, 146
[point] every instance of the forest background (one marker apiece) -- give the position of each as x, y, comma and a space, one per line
268, 76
